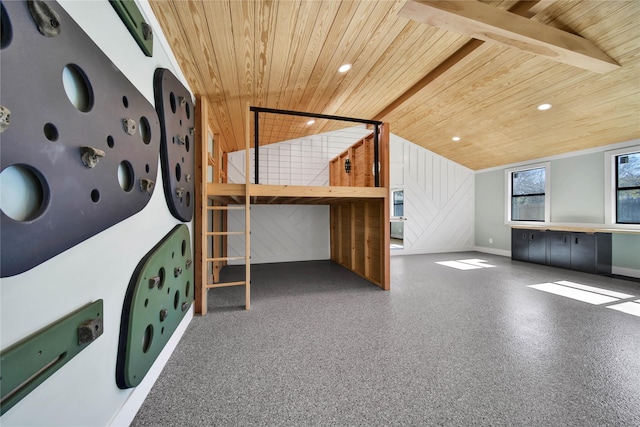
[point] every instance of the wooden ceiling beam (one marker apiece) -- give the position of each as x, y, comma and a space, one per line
462, 56
485, 22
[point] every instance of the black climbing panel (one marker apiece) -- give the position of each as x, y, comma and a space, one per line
79, 130
176, 112
159, 295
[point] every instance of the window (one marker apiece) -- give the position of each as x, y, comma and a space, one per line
397, 219
622, 187
528, 193
398, 203
627, 175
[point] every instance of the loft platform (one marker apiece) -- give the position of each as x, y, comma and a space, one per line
230, 194
358, 192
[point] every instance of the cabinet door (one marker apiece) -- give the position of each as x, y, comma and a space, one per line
537, 246
519, 244
603, 253
583, 252
559, 249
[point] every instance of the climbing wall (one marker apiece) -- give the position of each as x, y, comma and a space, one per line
82, 143
83, 227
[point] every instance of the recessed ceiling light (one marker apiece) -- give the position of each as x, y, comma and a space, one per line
543, 107
310, 122
344, 68
456, 138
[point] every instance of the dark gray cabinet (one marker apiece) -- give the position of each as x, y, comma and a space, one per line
559, 249
538, 247
583, 254
519, 244
529, 245
587, 252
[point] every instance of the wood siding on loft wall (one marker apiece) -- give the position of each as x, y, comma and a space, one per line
360, 156
357, 238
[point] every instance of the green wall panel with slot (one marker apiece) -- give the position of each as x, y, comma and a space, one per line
28, 363
159, 295
135, 23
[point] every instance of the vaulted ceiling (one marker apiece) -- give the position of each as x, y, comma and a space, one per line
429, 83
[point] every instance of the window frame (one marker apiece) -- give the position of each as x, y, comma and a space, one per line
393, 204
547, 193
611, 186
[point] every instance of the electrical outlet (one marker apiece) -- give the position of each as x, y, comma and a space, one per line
490, 240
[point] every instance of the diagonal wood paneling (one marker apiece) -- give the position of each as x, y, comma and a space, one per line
282, 233
438, 200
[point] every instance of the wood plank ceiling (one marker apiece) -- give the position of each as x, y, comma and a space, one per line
285, 54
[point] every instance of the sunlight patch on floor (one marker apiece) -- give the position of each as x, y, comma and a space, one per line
466, 264
573, 293
631, 307
591, 295
614, 294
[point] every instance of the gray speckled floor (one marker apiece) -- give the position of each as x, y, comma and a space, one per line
321, 346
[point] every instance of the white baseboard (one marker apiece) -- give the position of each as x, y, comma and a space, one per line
629, 272
501, 252
130, 407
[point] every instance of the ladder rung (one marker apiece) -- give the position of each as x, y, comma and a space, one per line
225, 233
225, 208
225, 284
226, 258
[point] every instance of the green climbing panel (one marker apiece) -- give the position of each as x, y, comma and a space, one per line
28, 363
135, 23
159, 295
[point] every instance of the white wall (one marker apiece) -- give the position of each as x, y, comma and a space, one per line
84, 392
439, 199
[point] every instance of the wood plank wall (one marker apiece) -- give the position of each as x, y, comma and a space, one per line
361, 156
358, 238
360, 229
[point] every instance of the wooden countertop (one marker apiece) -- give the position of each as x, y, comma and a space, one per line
578, 228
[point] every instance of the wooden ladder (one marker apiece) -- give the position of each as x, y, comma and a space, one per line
210, 216
219, 257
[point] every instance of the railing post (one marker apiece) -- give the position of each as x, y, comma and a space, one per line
256, 143
376, 157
